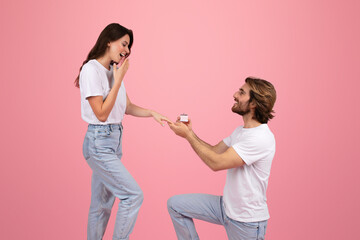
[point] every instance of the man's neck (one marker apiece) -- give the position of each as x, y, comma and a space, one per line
249, 122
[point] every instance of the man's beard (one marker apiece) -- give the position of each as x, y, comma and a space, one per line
241, 111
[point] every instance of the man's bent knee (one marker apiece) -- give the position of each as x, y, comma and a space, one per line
173, 201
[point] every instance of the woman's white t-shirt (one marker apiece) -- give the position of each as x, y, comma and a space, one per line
96, 80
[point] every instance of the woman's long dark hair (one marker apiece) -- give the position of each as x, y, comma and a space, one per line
111, 32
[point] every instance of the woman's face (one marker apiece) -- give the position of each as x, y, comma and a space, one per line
119, 49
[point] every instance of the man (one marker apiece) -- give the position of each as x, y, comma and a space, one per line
247, 155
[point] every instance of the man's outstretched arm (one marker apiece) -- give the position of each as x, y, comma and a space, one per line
216, 160
218, 148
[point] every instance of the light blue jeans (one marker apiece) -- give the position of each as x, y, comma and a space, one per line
110, 180
183, 208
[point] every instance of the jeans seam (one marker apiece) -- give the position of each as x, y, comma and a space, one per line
127, 215
189, 230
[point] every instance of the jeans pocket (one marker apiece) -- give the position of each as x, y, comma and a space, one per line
104, 142
253, 225
248, 230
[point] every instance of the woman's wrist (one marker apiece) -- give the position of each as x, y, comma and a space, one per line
117, 83
151, 112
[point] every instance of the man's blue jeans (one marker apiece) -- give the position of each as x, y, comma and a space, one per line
183, 208
102, 150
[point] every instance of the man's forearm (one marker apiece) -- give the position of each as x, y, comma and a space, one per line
202, 142
203, 150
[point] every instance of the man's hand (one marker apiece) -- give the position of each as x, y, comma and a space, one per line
188, 123
217, 158
181, 129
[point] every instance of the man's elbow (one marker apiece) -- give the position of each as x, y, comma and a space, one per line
215, 164
216, 167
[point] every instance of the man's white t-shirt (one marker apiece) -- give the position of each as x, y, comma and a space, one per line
96, 80
245, 188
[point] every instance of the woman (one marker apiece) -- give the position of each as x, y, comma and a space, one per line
104, 102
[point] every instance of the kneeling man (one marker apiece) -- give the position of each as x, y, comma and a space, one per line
247, 155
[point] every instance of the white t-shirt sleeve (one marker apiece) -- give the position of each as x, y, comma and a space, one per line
90, 82
252, 150
229, 139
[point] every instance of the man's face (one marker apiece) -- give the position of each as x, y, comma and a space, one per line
242, 97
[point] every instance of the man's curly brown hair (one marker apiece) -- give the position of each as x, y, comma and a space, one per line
263, 95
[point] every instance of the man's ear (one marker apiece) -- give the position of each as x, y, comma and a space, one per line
252, 104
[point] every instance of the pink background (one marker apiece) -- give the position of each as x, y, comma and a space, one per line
188, 57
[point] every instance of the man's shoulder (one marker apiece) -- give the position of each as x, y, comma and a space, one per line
259, 135
238, 129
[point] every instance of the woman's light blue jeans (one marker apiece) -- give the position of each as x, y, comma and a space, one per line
110, 180
183, 208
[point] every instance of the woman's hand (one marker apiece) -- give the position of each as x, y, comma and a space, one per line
120, 72
160, 118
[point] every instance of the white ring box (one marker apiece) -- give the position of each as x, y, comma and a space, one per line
184, 117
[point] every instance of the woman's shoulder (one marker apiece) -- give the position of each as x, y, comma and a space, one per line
90, 65
90, 68
89, 71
